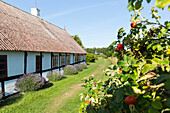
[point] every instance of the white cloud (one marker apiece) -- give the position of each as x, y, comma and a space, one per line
76, 10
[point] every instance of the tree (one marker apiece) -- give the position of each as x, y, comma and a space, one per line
77, 39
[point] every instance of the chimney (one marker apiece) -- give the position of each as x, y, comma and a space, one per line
64, 28
35, 11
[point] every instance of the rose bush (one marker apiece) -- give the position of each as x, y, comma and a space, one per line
139, 81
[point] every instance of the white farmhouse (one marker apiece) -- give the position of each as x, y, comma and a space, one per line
29, 44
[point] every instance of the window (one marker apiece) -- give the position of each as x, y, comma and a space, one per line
55, 61
3, 66
68, 59
79, 58
83, 57
38, 63
62, 60
76, 58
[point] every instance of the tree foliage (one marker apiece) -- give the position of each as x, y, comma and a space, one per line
77, 39
102, 50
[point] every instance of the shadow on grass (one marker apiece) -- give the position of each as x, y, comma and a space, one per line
11, 100
48, 85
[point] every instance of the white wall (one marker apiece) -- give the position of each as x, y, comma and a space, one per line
46, 61
31, 61
71, 58
15, 62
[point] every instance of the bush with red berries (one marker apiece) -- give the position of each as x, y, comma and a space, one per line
139, 82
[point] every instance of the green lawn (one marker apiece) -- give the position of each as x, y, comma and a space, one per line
62, 97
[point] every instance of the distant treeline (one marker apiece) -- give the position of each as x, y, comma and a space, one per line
98, 51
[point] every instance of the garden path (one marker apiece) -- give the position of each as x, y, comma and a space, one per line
74, 88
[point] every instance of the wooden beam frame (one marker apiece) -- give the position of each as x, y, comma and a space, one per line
59, 57
52, 60
25, 62
41, 63
66, 59
41, 71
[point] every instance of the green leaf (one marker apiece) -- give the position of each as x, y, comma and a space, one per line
154, 47
129, 90
148, 67
122, 63
162, 78
168, 25
136, 73
165, 61
169, 7
121, 33
103, 111
119, 93
138, 5
115, 107
162, 3
167, 84
156, 104
164, 30
157, 61
168, 102
168, 68
159, 47
149, 46
130, 7
133, 76
152, 110
125, 58
124, 78
136, 90
148, 1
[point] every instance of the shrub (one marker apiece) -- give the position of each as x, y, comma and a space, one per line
101, 55
83, 65
70, 70
78, 68
139, 80
54, 76
90, 57
29, 82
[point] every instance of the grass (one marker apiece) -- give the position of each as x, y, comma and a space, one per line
59, 98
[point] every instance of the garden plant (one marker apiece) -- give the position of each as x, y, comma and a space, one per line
70, 70
29, 82
78, 67
54, 76
90, 57
83, 65
140, 80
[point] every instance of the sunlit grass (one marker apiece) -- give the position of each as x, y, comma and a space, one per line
41, 101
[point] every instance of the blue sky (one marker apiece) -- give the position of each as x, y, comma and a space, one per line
96, 22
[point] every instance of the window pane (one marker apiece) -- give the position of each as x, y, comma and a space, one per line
38, 63
55, 61
2, 58
63, 60
79, 57
76, 59
68, 59
2, 73
2, 66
